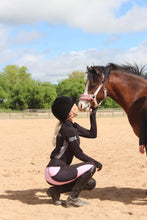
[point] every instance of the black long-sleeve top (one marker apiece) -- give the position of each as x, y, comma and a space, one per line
68, 143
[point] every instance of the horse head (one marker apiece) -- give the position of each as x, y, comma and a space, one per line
95, 91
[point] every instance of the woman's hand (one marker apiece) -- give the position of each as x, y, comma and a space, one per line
99, 166
93, 109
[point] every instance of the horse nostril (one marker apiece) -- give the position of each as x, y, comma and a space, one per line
80, 106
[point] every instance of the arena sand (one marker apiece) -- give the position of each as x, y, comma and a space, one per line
121, 190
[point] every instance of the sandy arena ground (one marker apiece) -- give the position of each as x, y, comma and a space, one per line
121, 190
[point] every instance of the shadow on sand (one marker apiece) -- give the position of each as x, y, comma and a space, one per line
39, 196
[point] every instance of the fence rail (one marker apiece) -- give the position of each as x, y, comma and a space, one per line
47, 114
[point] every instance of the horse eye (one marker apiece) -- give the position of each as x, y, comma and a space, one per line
93, 86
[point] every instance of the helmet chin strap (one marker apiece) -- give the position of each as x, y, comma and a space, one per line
74, 113
72, 116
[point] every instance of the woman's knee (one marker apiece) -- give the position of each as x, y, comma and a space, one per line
91, 184
93, 168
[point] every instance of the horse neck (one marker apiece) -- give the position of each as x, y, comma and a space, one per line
121, 88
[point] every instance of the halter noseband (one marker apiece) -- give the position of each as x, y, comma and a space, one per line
89, 97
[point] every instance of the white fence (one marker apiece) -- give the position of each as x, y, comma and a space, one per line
46, 114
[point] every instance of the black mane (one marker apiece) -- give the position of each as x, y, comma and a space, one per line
106, 70
134, 69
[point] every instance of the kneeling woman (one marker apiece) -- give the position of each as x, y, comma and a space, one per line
59, 173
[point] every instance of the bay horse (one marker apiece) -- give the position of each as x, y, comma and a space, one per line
125, 84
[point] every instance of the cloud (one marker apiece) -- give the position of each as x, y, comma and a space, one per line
112, 39
137, 54
22, 45
90, 16
4, 39
26, 37
58, 68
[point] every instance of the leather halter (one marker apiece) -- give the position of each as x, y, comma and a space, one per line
89, 97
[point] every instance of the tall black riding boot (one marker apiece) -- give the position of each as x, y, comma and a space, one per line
81, 182
54, 193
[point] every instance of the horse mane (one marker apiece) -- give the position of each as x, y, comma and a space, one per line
134, 69
106, 70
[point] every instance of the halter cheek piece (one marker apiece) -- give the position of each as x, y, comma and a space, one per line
89, 97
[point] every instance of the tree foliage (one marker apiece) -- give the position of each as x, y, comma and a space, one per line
109, 103
76, 75
73, 86
22, 92
19, 91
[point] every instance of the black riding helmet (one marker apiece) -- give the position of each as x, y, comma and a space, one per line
62, 106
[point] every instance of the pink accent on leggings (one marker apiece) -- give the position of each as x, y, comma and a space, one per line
52, 171
83, 169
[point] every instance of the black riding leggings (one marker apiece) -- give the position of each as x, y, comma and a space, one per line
72, 178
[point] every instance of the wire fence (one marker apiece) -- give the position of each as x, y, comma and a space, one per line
47, 114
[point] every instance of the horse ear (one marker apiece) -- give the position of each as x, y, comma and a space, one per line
88, 68
96, 71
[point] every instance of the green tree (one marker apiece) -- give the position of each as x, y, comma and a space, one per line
14, 79
49, 94
21, 95
71, 87
10, 73
23, 76
109, 103
15, 74
4, 92
76, 75
33, 95
43, 95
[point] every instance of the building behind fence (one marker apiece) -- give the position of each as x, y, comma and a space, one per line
47, 114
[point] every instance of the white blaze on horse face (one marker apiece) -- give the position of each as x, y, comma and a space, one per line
86, 88
84, 105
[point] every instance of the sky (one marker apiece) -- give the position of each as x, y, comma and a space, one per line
53, 38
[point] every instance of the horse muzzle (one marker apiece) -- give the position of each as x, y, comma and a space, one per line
84, 102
